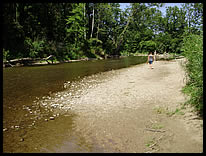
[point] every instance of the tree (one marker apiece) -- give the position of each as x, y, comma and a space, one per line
174, 28
76, 26
74, 30
194, 16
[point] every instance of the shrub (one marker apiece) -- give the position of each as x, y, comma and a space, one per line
147, 45
5, 54
35, 48
193, 51
50, 48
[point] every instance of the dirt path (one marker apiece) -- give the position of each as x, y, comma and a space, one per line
137, 109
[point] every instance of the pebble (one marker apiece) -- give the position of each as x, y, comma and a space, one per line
51, 118
5, 129
21, 140
16, 126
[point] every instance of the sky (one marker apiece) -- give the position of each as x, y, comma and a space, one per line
163, 9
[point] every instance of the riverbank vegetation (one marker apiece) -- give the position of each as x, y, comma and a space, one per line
193, 51
71, 31
95, 30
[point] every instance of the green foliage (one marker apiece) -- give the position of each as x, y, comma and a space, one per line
95, 46
194, 17
147, 46
5, 54
94, 42
177, 111
95, 29
193, 51
125, 53
71, 51
50, 48
35, 48
75, 23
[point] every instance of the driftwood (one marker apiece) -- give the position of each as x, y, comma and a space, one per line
152, 146
47, 58
152, 151
154, 130
26, 61
21, 59
30, 59
156, 141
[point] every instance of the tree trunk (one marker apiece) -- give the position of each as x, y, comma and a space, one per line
16, 12
98, 27
120, 38
92, 22
84, 22
98, 21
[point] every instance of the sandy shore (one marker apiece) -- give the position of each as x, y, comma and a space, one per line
135, 109
138, 109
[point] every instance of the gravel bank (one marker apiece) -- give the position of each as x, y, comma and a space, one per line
138, 109
135, 109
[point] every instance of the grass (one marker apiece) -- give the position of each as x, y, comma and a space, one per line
149, 143
193, 51
177, 112
157, 126
162, 110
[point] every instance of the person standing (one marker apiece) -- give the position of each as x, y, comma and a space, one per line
150, 59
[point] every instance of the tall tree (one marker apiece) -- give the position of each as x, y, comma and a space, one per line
92, 26
194, 16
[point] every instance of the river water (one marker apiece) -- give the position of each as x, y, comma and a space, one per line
33, 98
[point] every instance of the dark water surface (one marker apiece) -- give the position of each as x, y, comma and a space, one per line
23, 90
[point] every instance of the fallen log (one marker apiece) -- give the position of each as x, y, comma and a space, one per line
26, 61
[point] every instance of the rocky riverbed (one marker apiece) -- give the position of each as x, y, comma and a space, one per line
133, 109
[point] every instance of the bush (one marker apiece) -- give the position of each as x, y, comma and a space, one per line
5, 54
50, 48
35, 48
124, 53
72, 52
92, 48
193, 51
147, 45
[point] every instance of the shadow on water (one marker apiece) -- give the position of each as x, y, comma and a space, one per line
38, 138
28, 126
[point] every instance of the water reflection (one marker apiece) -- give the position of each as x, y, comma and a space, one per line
38, 105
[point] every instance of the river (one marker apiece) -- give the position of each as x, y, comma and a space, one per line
33, 120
